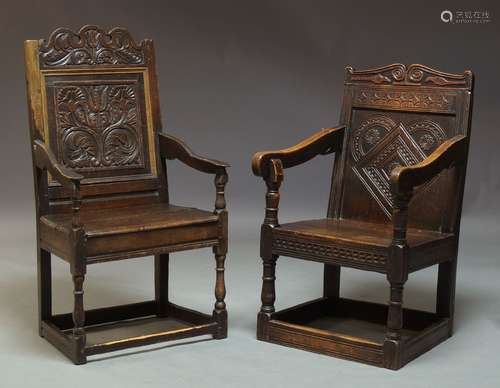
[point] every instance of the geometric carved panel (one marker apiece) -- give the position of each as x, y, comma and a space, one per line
380, 144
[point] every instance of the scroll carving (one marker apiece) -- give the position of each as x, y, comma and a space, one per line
98, 127
414, 74
90, 46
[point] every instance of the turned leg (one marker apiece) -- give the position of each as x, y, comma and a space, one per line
220, 251
268, 295
445, 303
395, 312
393, 340
161, 284
331, 282
220, 312
79, 319
397, 275
44, 288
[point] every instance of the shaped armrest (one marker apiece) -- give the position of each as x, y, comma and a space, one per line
448, 154
173, 148
46, 160
326, 141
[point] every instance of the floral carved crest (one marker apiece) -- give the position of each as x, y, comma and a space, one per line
90, 46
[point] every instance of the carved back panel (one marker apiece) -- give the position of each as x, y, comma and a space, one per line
93, 99
398, 115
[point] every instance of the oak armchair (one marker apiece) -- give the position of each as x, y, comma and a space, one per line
99, 162
395, 206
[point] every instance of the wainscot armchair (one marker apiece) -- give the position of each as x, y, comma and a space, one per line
395, 204
101, 189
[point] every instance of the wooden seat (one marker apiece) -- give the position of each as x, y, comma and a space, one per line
100, 177
356, 244
395, 205
132, 231
132, 219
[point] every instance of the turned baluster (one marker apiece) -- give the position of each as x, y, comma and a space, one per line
220, 251
75, 205
220, 185
273, 183
220, 286
78, 310
397, 271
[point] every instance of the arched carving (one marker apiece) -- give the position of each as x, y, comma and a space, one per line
415, 74
90, 46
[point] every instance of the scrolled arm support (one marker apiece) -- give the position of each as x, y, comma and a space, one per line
324, 142
44, 159
220, 186
173, 148
270, 164
403, 181
451, 152
273, 184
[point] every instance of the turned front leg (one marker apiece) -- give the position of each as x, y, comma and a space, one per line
79, 336
220, 285
78, 309
220, 312
268, 295
397, 274
395, 314
273, 183
220, 250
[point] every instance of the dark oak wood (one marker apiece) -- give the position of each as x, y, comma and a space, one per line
395, 205
99, 166
173, 148
324, 142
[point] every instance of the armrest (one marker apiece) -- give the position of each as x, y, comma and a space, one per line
326, 141
403, 180
451, 152
46, 160
173, 148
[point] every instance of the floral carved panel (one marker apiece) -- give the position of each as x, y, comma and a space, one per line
99, 128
